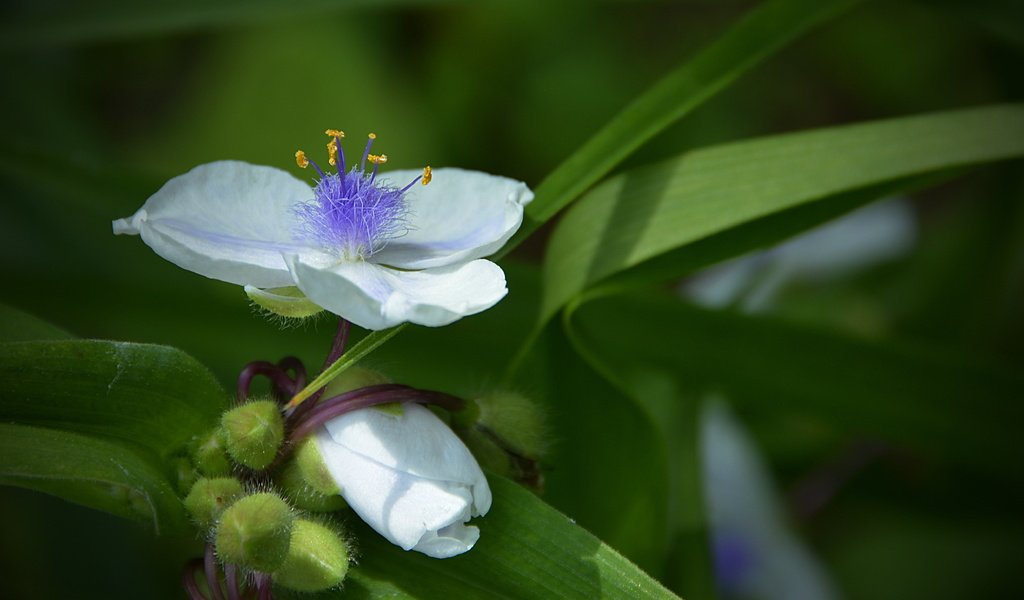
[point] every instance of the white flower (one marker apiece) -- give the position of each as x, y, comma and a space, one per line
757, 555
377, 251
864, 238
407, 476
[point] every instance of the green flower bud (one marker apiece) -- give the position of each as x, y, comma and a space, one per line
253, 433
317, 559
255, 532
185, 474
209, 498
209, 455
287, 302
354, 378
506, 433
307, 483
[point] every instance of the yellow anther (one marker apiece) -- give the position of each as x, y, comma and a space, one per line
332, 152
377, 159
300, 159
372, 136
427, 175
335, 133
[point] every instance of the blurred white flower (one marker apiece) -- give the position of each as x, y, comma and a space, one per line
865, 237
408, 476
756, 555
377, 251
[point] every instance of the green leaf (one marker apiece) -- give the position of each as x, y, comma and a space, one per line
526, 550
111, 19
765, 30
643, 214
955, 408
154, 396
18, 326
676, 420
101, 474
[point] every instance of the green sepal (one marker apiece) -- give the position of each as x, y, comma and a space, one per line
287, 302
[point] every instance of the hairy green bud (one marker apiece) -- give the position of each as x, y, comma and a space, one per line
209, 455
185, 474
307, 483
506, 433
253, 433
255, 532
317, 559
209, 497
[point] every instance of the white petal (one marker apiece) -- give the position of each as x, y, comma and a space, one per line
377, 297
227, 220
414, 442
460, 216
403, 508
448, 542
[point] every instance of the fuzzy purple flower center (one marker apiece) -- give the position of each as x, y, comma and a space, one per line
352, 214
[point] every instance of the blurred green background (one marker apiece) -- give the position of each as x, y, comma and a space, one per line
103, 101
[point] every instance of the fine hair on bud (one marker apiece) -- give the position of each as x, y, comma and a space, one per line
209, 497
307, 483
318, 557
253, 433
255, 532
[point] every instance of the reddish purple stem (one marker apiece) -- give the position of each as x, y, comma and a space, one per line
188, 580
296, 366
337, 349
276, 374
340, 339
373, 395
210, 565
231, 578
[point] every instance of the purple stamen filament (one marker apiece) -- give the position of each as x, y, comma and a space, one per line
351, 215
341, 155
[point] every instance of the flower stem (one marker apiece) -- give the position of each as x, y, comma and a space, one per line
373, 395
188, 580
210, 566
365, 346
299, 369
340, 339
277, 375
231, 578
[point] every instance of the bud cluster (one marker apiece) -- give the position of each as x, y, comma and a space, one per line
261, 511
262, 485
